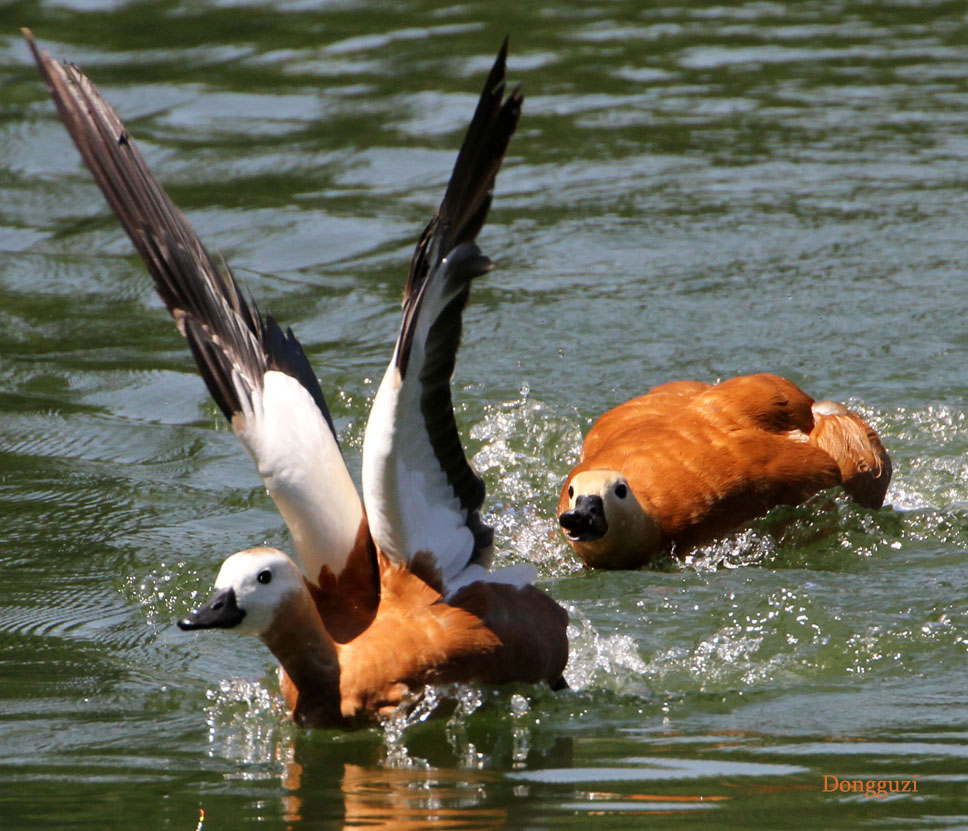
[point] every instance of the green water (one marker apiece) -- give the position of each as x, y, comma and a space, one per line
696, 191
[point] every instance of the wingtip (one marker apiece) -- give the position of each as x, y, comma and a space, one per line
502, 53
39, 56
501, 67
497, 77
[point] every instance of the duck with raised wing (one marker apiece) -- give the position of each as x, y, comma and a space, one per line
688, 462
378, 601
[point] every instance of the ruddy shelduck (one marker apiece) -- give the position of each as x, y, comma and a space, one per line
384, 594
688, 462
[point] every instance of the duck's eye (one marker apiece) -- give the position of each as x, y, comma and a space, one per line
264, 577
621, 490
571, 491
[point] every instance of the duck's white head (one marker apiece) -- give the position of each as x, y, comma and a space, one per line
251, 588
606, 522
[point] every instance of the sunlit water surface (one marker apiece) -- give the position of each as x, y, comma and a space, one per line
696, 191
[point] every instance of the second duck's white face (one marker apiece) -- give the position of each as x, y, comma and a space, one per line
612, 488
605, 522
262, 579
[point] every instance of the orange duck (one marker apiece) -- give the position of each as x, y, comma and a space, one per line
688, 462
384, 594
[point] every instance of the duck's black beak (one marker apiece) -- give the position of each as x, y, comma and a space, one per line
221, 612
586, 521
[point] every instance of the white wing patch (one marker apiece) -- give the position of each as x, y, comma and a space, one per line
301, 465
411, 506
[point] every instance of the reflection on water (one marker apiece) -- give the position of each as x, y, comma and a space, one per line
696, 191
433, 774
680, 775
414, 798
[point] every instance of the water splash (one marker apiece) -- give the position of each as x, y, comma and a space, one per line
520, 731
790, 636
783, 635
527, 451
249, 723
744, 548
609, 662
930, 448
414, 709
469, 699
162, 592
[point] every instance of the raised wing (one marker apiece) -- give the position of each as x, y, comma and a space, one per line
258, 375
422, 497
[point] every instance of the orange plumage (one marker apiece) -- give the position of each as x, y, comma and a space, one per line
689, 461
486, 632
